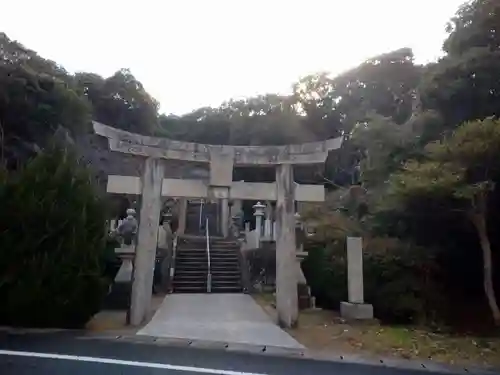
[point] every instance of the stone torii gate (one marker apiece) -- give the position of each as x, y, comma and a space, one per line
222, 158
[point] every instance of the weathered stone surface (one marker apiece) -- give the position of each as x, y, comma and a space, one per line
147, 240
175, 187
182, 216
221, 166
355, 270
135, 144
355, 308
286, 282
94, 150
227, 318
224, 221
356, 311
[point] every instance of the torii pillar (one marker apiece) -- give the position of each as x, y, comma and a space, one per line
286, 284
147, 238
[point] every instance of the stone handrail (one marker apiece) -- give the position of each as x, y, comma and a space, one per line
209, 274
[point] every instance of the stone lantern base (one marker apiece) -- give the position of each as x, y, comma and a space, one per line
303, 290
356, 311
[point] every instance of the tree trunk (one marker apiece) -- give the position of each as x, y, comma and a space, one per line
479, 220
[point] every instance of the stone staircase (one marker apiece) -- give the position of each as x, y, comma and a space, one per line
208, 211
191, 266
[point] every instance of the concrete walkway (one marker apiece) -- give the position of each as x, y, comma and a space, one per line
228, 318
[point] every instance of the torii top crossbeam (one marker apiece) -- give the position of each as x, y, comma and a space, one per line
164, 148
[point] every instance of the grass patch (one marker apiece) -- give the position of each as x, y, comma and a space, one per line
325, 331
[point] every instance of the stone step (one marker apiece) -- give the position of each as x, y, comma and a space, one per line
190, 283
225, 284
224, 257
204, 266
193, 247
189, 259
203, 247
191, 252
179, 280
230, 289
203, 239
187, 289
181, 270
199, 256
217, 259
203, 255
213, 260
196, 265
215, 289
213, 250
222, 276
223, 253
222, 272
214, 272
226, 278
183, 277
188, 270
225, 265
212, 255
235, 282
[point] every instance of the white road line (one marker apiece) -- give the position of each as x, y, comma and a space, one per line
111, 361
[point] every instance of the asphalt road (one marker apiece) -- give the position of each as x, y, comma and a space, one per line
67, 353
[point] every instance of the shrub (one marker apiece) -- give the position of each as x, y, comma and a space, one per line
52, 244
398, 279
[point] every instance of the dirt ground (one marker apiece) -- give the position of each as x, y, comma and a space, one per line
324, 331
116, 320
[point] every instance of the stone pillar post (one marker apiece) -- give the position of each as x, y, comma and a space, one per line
247, 235
224, 218
286, 278
303, 291
258, 213
181, 227
144, 263
268, 222
299, 232
355, 308
165, 253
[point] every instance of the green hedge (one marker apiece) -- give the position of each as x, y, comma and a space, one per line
399, 279
52, 244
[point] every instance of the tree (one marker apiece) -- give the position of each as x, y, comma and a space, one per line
261, 120
14, 53
476, 24
53, 243
36, 97
464, 167
120, 101
384, 85
464, 85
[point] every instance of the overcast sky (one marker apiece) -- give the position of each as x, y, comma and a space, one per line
192, 53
